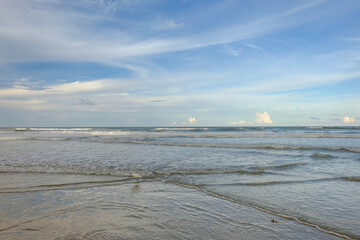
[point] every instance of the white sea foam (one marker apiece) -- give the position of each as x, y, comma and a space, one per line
12, 138
22, 129
182, 129
59, 129
111, 133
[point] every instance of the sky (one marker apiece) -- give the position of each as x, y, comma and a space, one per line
103, 63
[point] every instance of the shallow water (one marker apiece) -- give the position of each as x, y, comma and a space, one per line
100, 207
307, 175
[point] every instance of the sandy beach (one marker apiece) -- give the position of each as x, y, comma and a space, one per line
48, 206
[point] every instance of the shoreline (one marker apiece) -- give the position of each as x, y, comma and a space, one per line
287, 217
130, 209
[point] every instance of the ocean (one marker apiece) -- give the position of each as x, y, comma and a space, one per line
196, 183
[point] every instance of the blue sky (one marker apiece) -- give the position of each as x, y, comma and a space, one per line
179, 63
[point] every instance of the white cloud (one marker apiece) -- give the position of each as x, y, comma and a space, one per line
251, 45
168, 25
108, 6
349, 119
350, 39
296, 82
74, 87
81, 86
45, 32
233, 52
263, 118
27, 104
241, 122
192, 120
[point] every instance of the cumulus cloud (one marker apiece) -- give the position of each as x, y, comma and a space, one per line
349, 119
192, 120
238, 123
263, 118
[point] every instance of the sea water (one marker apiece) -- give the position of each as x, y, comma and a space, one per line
307, 175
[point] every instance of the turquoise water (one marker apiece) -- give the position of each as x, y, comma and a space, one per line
308, 174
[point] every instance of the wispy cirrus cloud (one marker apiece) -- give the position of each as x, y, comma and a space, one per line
168, 24
162, 61
234, 52
297, 82
34, 31
74, 87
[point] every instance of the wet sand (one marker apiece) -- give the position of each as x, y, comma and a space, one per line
55, 206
